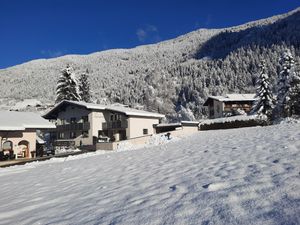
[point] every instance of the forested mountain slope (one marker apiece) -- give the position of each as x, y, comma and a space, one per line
172, 77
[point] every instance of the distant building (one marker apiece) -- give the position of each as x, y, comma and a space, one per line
18, 137
229, 105
86, 124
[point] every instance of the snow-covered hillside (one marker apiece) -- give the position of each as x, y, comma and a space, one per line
239, 176
169, 75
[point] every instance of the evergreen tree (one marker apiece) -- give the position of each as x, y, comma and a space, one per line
67, 86
84, 87
295, 92
286, 75
264, 103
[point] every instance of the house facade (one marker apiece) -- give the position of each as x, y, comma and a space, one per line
18, 134
229, 105
86, 124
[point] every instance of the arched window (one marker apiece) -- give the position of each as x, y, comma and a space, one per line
7, 146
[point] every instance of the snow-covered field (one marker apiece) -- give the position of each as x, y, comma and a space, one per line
239, 176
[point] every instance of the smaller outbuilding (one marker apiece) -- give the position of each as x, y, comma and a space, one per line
178, 129
18, 134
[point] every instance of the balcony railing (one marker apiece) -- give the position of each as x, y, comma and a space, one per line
73, 127
115, 125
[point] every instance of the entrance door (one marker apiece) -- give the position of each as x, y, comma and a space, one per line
24, 148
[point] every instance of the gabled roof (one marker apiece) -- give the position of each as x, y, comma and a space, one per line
231, 98
134, 112
90, 106
11, 121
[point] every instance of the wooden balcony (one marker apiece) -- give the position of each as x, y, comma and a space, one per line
73, 127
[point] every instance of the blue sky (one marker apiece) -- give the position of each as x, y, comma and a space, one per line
32, 29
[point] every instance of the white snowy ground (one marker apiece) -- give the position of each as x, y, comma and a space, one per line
240, 176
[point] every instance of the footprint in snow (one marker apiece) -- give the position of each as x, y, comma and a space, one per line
206, 186
173, 188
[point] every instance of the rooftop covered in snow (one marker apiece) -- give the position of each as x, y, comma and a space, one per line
12, 121
90, 106
231, 98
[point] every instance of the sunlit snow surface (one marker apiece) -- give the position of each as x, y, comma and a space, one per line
238, 176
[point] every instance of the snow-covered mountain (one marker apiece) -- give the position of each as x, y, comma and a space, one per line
173, 76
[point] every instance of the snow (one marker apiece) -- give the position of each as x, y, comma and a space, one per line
169, 125
231, 119
234, 97
27, 102
10, 120
241, 97
126, 110
237, 176
134, 112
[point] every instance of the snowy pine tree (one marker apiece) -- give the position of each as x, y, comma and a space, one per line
264, 103
284, 103
84, 87
67, 86
295, 92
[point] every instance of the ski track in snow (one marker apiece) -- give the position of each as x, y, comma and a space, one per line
238, 176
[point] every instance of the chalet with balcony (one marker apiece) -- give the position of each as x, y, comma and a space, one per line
86, 124
229, 105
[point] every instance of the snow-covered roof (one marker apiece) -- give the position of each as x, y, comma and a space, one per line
168, 125
134, 112
85, 104
240, 97
10, 120
182, 123
25, 103
228, 119
189, 122
231, 97
126, 110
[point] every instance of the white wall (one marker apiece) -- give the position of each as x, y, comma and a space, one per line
96, 119
137, 124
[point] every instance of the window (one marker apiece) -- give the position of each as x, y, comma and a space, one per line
73, 120
85, 119
61, 135
145, 131
72, 134
7, 145
111, 117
